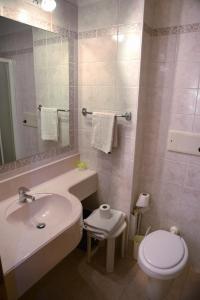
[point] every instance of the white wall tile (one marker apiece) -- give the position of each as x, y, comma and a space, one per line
97, 49
198, 103
181, 122
187, 75
99, 73
163, 48
99, 14
189, 11
129, 47
196, 125
167, 13
160, 74
149, 12
188, 47
128, 73
126, 99
131, 11
158, 100
176, 12
184, 101
174, 172
190, 198
193, 176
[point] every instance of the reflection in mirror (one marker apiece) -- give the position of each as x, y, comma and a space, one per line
34, 73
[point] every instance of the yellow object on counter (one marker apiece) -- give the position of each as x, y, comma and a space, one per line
81, 165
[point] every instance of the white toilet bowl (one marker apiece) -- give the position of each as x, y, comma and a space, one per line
162, 256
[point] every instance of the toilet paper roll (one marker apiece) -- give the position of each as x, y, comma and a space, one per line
105, 211
143, 200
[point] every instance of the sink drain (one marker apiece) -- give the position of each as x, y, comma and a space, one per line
41, 225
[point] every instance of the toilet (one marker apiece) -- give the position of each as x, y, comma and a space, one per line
162, 256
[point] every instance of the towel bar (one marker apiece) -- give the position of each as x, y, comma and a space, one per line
126, 115
64, 110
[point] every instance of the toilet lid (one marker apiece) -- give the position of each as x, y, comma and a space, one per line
163, 249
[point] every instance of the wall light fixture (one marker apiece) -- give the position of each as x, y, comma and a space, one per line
47, 5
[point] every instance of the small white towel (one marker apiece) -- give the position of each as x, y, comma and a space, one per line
49, 124
101, 234
64, 129
97, 224
104, 131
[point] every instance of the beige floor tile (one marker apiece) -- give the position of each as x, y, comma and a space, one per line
177, 286
191, 289
75, 279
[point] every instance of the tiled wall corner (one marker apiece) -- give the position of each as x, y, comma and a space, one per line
171, 102
110, 34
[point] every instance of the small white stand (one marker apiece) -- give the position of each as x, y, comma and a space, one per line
110, 251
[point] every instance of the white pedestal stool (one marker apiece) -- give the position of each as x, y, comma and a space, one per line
110, 247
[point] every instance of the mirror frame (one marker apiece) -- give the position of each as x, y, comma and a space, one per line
54, 153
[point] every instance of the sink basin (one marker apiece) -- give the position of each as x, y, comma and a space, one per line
48, 210
36, 236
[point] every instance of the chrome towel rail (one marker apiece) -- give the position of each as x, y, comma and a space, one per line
126, 115
64, 110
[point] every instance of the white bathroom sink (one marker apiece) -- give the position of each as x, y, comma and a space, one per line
28, 227
29, 252
48, 210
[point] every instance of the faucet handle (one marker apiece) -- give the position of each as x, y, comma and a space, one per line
23, 190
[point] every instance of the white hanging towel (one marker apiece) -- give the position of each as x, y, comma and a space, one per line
49, 124
104, 131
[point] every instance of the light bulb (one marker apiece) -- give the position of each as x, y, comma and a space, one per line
48, 5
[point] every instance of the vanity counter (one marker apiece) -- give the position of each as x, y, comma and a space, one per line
23, 246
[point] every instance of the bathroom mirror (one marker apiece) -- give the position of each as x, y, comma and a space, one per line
34, 74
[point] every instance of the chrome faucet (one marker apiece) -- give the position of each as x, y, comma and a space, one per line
23, 196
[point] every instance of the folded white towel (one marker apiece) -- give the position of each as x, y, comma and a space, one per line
104, 131
101, 234
49, 124
96, 223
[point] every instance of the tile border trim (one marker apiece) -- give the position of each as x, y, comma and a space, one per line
137, 28
178, 29
117, 29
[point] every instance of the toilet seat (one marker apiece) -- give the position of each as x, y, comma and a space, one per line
162, 255
163, 250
